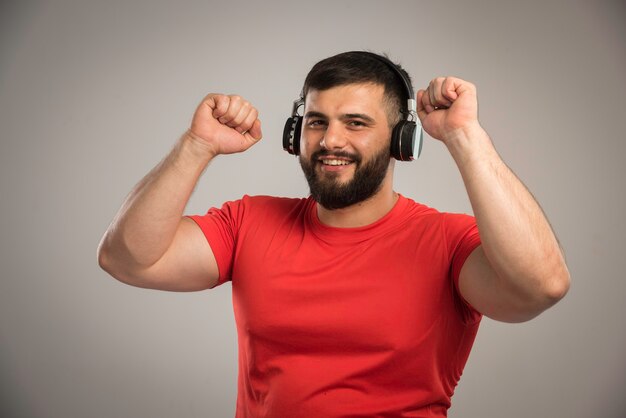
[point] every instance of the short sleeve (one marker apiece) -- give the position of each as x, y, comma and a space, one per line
220, 227
462, 238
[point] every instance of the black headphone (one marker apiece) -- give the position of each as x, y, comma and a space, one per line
403, 135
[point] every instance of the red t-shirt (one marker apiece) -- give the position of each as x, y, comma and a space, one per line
344, 322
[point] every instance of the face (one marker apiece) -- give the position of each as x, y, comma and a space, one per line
345, 144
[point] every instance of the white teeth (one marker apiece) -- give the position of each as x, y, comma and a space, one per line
335, 162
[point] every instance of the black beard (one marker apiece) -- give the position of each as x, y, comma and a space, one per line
332, 194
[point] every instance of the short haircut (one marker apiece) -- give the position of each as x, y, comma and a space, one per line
360, 67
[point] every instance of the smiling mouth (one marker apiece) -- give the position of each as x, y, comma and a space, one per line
334, 161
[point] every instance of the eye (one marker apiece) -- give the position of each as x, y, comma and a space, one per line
315, 123
356, 124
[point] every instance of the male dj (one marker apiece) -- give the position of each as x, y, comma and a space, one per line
355, 301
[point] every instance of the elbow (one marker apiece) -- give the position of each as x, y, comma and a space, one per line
556, 278
558, 286
104, 259
107, 259
554, 287
114, 261
107, 262
552, 280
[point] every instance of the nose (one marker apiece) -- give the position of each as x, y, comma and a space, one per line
333, 137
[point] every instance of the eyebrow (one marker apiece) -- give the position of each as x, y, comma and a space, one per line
312, 114
362, 116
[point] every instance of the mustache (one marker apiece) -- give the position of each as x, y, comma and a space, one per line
324, 153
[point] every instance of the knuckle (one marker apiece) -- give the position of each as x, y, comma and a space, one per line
246, 125
222, 102
234, 103
239, 118
211, 96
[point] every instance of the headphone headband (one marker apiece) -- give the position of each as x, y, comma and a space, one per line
393, 67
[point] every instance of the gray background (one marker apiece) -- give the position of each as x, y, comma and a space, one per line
94, 94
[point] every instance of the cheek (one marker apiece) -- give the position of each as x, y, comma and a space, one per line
373, 144
308, 144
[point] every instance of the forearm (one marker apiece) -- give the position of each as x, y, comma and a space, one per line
516, 236
144, 227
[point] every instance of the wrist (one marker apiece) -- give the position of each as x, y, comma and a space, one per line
193, 153
468, 141
462, 133
198, 146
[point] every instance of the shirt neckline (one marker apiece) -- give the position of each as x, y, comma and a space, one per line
354, 234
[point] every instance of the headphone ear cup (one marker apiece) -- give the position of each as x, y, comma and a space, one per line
395, 141
403, 140
407, 144
291, 135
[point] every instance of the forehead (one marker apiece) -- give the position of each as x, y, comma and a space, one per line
349, 98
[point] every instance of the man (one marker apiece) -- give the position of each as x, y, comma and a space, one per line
355, 301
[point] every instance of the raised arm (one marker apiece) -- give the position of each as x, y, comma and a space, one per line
149, 243
519, 270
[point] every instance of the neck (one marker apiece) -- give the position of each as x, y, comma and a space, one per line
362, 213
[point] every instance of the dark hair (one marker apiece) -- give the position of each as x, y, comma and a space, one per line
360, 67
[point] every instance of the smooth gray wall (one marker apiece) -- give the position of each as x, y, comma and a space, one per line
94, 93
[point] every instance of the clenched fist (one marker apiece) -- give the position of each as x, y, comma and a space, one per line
226, 123
447, 105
